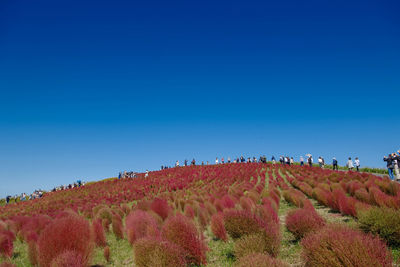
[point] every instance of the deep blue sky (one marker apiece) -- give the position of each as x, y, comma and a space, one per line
89, 89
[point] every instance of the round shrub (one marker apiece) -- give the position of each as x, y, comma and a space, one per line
384, 222
6, 244
239, 223
117, 226
340, 246
151, 251
217, 226
181, 231
32, 252
160, 206
303, 221
261, 242
69, 259
65, 234
139, 224
98, 233
259, 260
106, 253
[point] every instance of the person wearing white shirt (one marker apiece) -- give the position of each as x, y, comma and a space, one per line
350, 164
357, 164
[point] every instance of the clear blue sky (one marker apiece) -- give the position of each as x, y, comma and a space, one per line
89, 89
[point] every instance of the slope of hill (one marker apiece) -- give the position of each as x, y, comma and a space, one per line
220, 215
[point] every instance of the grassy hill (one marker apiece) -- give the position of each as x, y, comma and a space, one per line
219, 215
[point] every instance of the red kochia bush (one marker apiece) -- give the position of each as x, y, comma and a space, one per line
227, 202
267, 213
152, 251
106, 253
189, 212
160, 206
181, 231
139, 224
303, 221
98, 233
32, 252
259, 260
6, 244
217, 226
117, 226
69, 258
65, 234
340, 246
241, 222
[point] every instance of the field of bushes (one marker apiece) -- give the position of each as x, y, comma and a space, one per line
247, 214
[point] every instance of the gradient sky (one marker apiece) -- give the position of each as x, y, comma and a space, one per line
89, 89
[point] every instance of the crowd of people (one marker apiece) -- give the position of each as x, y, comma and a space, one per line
283, 160
392, 163
126, 174
39, 192
23, 196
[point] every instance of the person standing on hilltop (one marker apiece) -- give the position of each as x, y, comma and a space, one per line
185, 162
216, 161
301, 161
177, 163
334, 164
193, 162
396, 165
273, 160
357, 164
310, 161
389, 165
320, 162
350, 164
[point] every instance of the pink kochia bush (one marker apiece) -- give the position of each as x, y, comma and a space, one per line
340, 246
218, 227
181, 231
69, 258
241, 222
259, 260
140, 224
160, 206
66, 234
98, 233
303, 221
153, 251
6, 243
253, 232
117, 226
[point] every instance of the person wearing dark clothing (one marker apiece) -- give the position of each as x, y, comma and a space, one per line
389, 165
310, 161
185, 162
193, 162
8, 199
334, 164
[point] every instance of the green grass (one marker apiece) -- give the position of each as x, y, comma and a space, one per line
121, 252
20, 255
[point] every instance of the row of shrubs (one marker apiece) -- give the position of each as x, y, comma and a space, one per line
335, 245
